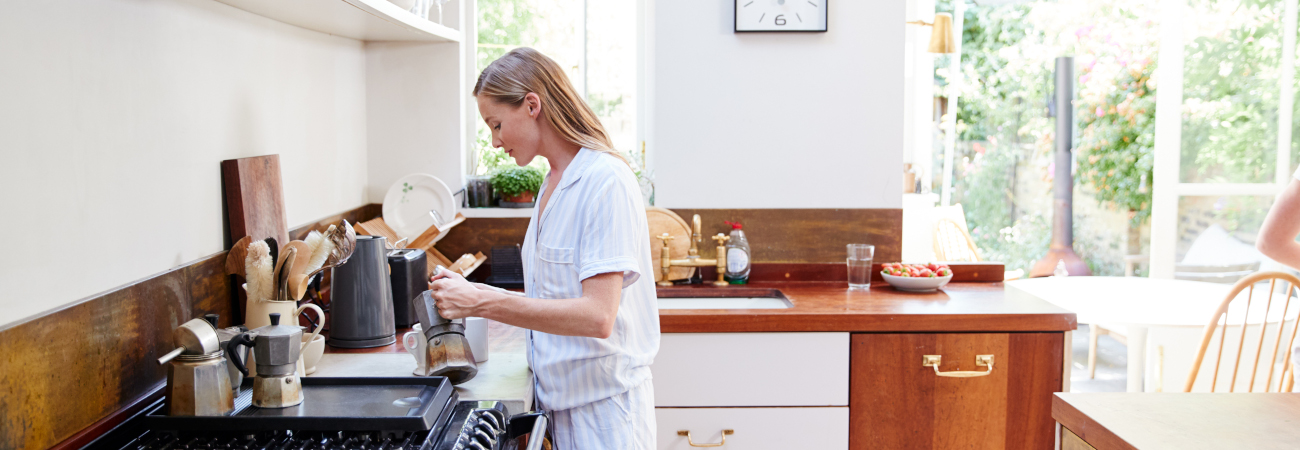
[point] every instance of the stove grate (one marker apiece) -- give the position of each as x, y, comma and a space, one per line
283, 440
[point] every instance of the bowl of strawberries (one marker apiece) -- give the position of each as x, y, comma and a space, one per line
916, 277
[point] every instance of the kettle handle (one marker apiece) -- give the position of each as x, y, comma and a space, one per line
242, 339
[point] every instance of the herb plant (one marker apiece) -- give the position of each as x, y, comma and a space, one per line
512, 181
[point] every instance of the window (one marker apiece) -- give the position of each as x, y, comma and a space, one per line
594, 41
1224, 140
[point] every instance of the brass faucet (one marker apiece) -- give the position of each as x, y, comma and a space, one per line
693, 258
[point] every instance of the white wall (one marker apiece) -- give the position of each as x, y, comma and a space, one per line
776, 120
416, 120
115, 115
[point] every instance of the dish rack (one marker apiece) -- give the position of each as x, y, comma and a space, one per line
464, 265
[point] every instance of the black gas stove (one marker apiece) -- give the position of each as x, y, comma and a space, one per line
341, 413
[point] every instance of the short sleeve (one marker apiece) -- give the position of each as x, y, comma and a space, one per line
613, 231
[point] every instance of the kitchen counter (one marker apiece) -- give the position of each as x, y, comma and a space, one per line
505, 376
830, 306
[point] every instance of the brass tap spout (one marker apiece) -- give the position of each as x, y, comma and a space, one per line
693, 259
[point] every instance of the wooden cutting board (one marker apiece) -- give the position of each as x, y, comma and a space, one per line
255, 198
664, 221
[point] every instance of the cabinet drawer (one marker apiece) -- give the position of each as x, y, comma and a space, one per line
899, 403
752, 369
755, 428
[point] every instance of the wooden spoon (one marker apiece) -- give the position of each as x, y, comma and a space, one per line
236, 257
301, 259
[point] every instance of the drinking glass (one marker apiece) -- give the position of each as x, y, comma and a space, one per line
860, 256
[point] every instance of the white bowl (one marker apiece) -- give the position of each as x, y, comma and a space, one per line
916, 284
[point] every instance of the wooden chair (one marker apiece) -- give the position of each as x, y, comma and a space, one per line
1286, 376
952, 241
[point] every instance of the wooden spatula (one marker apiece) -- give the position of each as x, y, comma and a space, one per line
296, 269
236, 257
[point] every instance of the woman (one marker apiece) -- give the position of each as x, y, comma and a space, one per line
589, 302
1277, 235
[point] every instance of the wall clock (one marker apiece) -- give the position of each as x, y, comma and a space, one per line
781, 15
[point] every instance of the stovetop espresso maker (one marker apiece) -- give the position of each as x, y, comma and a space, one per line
448, 351
198, 383
276, 349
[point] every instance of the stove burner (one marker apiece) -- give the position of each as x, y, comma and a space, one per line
283, 440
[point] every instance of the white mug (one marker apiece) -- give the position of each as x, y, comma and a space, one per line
415, 344
476, 334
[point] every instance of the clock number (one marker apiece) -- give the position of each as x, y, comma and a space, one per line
780, 19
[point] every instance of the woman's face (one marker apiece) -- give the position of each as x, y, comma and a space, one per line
515, 129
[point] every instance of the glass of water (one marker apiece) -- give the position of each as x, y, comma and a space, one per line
860, 256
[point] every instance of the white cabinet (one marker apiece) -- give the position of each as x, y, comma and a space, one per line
755, 428
774, 390
752, 369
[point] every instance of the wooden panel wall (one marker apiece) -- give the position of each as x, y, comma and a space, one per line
777, 235
806, 235
64, 371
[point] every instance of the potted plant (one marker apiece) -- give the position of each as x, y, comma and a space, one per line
517, 186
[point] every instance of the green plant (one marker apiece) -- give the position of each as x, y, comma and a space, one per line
1116, 114
512, 181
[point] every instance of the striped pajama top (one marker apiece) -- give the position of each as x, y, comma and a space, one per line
594, 223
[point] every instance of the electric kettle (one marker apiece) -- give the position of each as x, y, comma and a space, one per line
361, 298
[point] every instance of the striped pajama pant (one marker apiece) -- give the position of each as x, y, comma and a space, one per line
623, 422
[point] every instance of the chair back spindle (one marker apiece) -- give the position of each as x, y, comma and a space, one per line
1220, 322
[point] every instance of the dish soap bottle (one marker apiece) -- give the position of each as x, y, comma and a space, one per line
737, 256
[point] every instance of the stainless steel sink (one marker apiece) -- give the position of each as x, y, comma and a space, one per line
725, 298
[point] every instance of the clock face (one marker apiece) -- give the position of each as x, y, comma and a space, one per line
781, 15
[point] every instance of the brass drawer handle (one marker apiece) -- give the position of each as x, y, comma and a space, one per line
980, 360
687, 433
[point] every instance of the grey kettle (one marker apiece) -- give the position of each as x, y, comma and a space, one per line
361, 303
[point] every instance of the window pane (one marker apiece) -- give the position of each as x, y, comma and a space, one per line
559, 35
1230, 91
611, 69
1219, 230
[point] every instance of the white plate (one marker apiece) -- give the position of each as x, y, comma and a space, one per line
409, 200
916, 284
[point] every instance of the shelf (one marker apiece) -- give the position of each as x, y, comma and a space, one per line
366, 20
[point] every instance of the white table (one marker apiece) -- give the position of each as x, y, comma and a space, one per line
1139, 304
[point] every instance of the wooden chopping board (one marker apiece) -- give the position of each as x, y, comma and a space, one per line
664, 221
255, 198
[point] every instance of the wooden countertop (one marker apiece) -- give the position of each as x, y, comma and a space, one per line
1181, 421
830, 306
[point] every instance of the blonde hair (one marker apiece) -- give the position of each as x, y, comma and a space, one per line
511, 77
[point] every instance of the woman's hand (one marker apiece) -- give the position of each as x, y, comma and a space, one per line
456, 297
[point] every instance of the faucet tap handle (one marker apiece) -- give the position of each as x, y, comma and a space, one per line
722, 239
696, 236
665, 237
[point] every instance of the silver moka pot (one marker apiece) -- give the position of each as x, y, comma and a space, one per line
198, 383
448, 352
361, 298
276, 349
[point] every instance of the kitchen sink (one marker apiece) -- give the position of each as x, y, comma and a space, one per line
725, 298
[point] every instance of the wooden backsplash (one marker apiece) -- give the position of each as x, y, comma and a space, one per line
775, 235
67, 370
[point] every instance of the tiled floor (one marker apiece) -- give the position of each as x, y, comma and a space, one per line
1112, 368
